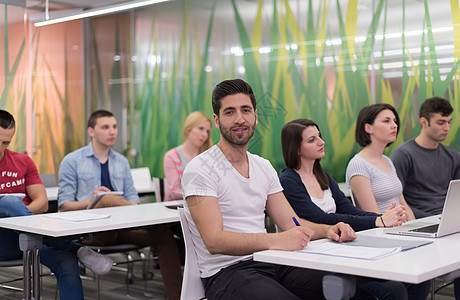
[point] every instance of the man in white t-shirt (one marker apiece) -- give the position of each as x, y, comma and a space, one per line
227, 190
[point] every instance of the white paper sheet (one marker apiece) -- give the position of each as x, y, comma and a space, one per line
344, 250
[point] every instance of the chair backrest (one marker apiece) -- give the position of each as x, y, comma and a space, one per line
162, 191
352, 197
48, 180
141, 177
192, 287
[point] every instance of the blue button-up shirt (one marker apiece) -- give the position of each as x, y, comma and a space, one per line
80, 175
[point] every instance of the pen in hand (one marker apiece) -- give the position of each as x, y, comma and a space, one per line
295, 221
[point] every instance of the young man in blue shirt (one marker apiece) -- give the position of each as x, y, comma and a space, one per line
96, 168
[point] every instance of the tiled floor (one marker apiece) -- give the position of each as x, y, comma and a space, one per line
113, 285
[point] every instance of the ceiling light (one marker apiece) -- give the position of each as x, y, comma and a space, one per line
99, 11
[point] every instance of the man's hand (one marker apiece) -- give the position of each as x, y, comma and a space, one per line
99, 190
295, 238
341, 232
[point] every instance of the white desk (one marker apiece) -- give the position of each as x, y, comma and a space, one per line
121, 217
413, 266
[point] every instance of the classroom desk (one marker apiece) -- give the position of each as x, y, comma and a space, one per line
413, 266
37, 226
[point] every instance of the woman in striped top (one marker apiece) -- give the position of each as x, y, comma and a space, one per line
370, 174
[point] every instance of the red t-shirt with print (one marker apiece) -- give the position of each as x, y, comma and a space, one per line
16, 172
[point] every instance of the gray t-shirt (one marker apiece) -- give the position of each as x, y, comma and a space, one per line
425, 175
385, 185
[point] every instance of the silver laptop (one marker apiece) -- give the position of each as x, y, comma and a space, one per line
436, 226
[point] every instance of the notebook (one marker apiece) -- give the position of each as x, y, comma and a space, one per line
436, 227
99, 196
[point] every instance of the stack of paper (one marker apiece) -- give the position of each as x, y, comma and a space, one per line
344, 250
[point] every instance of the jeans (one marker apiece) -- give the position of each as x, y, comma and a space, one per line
380, 289
418, 291
55, 254
457, 288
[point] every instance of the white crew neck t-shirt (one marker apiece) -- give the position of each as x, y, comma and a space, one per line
241, 200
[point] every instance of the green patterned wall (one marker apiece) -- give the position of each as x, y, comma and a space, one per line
319, 60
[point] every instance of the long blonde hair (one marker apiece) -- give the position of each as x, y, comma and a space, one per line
194, 119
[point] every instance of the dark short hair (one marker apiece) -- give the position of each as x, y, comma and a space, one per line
6, 120
101, 113
435, 105
291, 142
367, 115
231, 87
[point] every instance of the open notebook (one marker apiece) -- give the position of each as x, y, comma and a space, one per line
99, 196
364, 247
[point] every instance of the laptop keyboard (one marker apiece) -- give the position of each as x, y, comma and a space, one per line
428, 229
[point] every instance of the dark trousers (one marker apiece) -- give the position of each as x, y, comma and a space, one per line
255, 280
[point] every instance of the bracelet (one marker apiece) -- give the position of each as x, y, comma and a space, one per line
381, 219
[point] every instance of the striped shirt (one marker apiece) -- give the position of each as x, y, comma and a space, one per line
386, 186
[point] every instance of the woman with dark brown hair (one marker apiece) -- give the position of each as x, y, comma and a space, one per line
313, 194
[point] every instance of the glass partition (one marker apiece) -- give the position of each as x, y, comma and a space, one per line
322, 60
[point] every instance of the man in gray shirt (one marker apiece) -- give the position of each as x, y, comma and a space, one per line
424, 165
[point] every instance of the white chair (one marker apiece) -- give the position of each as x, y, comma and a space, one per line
162, 191
192, 287
141, 177
352, 197
51, 186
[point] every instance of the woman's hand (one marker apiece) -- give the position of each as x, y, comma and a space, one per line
393, 216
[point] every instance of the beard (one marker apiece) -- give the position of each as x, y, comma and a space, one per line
237, 139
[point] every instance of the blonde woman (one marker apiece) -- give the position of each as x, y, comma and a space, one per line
197, 138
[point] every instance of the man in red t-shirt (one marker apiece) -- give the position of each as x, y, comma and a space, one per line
18, 174
22, 193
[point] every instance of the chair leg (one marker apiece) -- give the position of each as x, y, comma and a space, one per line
98, 279
130, 274
146, 275
433, 288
